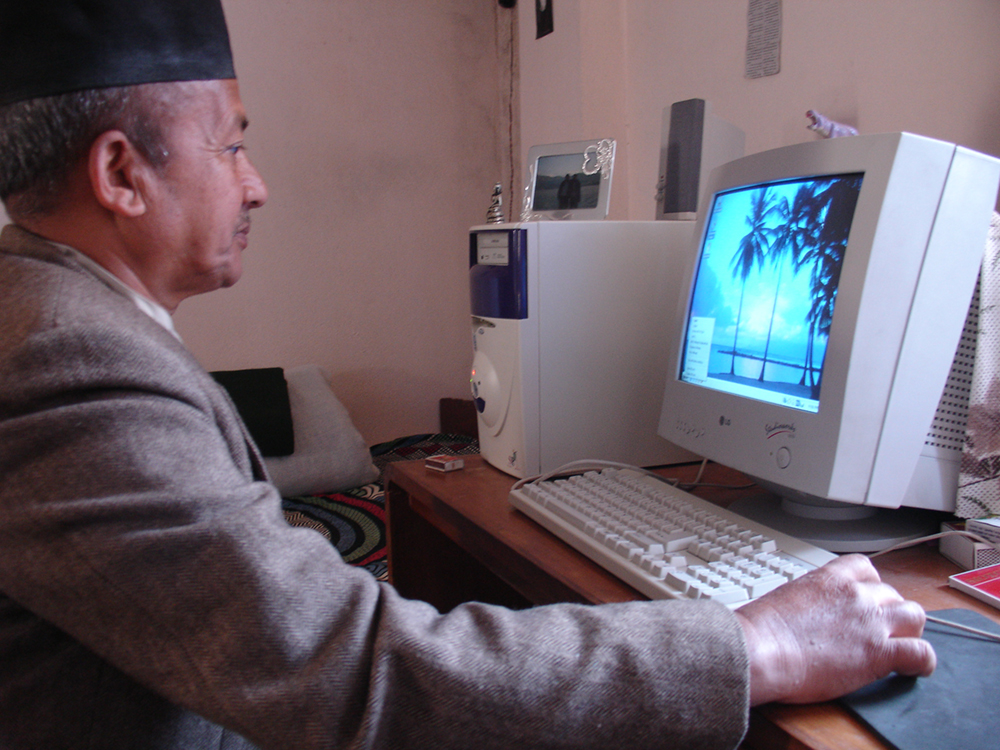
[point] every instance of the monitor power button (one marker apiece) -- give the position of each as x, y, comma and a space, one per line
783, 458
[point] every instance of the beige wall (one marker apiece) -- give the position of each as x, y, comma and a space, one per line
375, 124
380, 126
612, 66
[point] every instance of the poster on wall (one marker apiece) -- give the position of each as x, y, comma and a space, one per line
763, 38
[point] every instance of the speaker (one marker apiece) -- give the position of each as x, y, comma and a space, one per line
695, 142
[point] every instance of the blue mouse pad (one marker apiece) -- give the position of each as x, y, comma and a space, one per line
956, 707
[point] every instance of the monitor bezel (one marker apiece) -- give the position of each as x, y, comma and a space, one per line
834, 449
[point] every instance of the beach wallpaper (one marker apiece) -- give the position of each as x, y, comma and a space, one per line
766, 288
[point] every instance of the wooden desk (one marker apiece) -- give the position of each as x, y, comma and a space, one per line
454, 538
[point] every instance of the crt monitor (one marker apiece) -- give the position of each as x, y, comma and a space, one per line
823, 303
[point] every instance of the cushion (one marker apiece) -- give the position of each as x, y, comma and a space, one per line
261, 397
330, 455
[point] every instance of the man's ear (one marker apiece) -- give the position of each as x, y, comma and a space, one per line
119, 174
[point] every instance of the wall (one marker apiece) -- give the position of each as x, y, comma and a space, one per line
380, 128
612, 66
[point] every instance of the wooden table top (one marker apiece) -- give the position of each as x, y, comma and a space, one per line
470, 506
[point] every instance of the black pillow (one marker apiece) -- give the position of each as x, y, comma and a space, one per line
261, 398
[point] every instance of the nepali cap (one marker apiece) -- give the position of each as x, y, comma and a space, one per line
50, 47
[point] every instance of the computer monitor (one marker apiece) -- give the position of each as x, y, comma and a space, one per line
823, 303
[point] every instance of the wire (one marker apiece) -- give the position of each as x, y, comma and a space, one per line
576, 467
701, 471
584, 465
956, 532
965, 628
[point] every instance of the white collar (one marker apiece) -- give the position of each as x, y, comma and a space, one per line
153, 309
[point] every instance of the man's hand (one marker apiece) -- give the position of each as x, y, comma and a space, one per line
830, 632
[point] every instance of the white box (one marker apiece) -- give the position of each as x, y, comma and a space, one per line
965, 552
571, 322
987, 528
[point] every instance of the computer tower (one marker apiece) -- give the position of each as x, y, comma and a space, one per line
570, 327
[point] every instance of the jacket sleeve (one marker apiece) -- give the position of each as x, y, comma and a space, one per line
131, 520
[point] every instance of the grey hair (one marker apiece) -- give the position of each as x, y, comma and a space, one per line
42, 140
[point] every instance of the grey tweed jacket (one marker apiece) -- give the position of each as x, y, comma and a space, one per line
152, 596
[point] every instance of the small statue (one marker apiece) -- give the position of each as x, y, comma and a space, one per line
827, 127
495, 214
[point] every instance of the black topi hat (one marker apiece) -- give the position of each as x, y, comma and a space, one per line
50, 47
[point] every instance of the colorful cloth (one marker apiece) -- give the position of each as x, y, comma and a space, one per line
979, 476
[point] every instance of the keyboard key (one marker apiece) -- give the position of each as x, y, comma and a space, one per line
760, 586
728, 595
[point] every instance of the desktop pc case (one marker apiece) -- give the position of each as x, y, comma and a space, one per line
569, 342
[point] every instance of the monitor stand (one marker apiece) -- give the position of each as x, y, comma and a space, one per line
839, 527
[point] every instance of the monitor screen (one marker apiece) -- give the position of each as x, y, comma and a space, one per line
766, 287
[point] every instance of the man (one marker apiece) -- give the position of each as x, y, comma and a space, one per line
151, 595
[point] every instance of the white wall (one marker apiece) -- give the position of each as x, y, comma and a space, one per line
612, 66
376, 125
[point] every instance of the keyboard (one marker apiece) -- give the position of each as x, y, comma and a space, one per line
663, 541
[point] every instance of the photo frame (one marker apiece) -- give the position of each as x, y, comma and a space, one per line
569, 180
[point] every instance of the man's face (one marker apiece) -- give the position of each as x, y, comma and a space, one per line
198, 205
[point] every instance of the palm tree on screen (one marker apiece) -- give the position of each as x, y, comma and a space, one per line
834, 205
792, 237
752, 250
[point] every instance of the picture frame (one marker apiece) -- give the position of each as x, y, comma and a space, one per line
569, 181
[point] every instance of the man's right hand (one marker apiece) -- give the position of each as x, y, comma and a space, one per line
831, 632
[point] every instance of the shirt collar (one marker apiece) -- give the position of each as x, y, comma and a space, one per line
153, 309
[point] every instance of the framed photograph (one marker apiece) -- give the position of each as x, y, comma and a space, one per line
569, 180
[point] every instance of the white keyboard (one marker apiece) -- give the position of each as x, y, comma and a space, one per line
663, 541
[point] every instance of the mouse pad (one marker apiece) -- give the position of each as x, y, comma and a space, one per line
956, 707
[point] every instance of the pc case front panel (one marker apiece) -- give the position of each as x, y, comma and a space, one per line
581, 374
504, 341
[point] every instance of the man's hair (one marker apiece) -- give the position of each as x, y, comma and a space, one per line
42, 140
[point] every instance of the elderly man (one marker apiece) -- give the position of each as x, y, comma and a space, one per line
151, 595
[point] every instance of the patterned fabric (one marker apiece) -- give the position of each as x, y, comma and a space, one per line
354, 520
979, 476
418, 447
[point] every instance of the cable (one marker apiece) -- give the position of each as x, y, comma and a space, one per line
966, 628
932, 537
576, 467
583, 465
